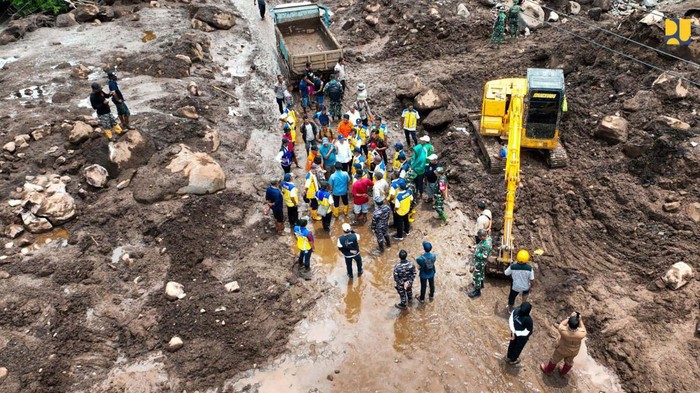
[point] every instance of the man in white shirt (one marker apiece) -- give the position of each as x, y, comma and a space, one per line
340, 70
280, 88
344, 154
354, 114
380, 188
483, 221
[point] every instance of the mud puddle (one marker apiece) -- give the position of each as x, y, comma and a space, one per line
148, 36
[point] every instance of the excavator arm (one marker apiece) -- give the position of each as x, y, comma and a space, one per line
512, 168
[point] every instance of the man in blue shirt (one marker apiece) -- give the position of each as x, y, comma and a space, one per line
304, 92
339, 181
426, 263
322, 117
273, 200
118, 100
328, 151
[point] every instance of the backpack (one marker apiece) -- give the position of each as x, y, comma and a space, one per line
429, 264
335, 91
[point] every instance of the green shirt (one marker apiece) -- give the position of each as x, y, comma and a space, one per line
483, 250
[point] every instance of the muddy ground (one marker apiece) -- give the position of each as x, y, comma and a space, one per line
78, 317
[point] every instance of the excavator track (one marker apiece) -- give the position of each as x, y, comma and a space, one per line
557, 158
490, 149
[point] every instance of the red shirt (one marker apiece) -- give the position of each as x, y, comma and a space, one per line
361, 186
289, 138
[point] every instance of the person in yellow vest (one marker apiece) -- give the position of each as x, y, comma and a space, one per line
311, 186
409, 118
290, 195
325, 205
402, 202
396, 163
305, 243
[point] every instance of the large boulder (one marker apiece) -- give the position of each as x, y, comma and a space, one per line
669, 87
678, 275
132, 150
215, 17
66, 20
86, 13
532, 15
431, 99
438, 119
96, 175
13, 230
56, 204
612, 129
203, 173
644, 100
408, 86
574, 8
79, 133
35, 224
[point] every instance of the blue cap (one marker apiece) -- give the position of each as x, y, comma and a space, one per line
324, 140
427, 246
341, 137
287, 176
402, 155
356, 150
398, 145
402, 183
357, 165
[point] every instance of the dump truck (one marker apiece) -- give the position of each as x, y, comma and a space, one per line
302, 35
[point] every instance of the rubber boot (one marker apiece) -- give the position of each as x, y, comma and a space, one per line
387, 241
381, 246
127, 123
565, 369
345, 210
108, 133
118, 129
336, 212
548, 368
475, 293
315, 215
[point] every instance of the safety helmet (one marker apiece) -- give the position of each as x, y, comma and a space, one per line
523, 256
440, 170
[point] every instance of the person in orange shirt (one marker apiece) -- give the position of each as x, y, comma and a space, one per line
312, 157
345, 126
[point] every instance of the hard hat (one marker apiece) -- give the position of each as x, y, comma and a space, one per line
440, 170
523, 256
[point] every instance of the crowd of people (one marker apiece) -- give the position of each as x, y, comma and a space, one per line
355, 171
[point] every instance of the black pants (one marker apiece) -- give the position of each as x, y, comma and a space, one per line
280, 104
293, 214
514, 295
402, 225
431, 282
261, 7
419, 183
365, 150
395, 218
410, 135
345, 87
515, 347
386, 160
305, 258
337, 199
326, 220
287, 168
348, 264
346, 166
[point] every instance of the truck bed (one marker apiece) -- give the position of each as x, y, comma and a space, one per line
304, 43
307, 40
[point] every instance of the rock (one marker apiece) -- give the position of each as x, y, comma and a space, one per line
372, 8
123, 184
693, 211
188, 112
604, 5
66, 20
23, 242
204, 174
612, 129
106, 14
488, 3
79, 133
349, 24
437, 119
463, 11
595, 13
184, 58
10, 147
232, 287
13, 230
672, 207
174, 291
371, 20
215, 17
532, 15
3, 276
574, 8
678, 275
3, 374
636, 149
408, 86
38, 134
674, 123
54, 204
199, 25
431, 99
553, 17
193, 89
643, 100
330, 377
132, 150
96, 175
175, 343
649, 3
669, 87
87, 13
35, 224
157, 65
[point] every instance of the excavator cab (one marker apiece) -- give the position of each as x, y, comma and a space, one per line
542, 99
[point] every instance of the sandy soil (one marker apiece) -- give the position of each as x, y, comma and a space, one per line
78, 317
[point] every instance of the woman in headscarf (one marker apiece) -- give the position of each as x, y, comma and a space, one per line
520, 331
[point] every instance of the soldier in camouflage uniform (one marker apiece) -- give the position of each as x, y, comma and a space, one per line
499, 26
380, 224
440, 192
404, 274
481, 256
514, 19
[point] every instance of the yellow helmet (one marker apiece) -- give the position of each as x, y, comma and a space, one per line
523, 256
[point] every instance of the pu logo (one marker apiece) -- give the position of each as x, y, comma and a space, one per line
678, 31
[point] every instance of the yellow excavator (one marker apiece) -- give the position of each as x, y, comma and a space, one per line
525, 112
